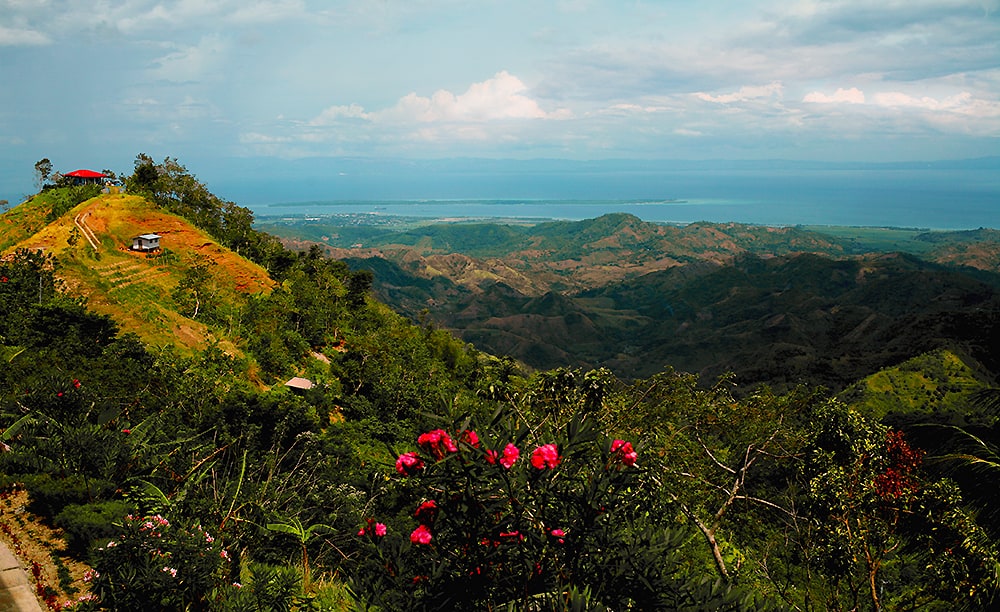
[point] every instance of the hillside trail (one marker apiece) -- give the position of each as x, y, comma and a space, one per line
16, 594
81, 223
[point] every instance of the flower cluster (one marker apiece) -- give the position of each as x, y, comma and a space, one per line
372, 528
152, 558
624, 451
438, 443
426, 513
546, 456
487, 526
409, 464
899, 480
510, 455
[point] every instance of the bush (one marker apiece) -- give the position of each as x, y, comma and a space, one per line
84, 524
51, 494
508, 517
157, 565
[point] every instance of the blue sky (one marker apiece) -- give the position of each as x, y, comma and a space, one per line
214, 83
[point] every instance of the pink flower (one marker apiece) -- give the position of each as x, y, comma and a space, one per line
510, 455
126, 431
625, 451
426, 512
470, 438
437, 443
378, 529
545, 456
559, 534
409, 464
421, 535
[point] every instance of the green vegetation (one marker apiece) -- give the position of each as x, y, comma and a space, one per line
419, 473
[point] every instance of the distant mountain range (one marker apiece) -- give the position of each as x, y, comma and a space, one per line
773, 305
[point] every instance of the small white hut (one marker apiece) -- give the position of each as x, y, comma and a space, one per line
146, 242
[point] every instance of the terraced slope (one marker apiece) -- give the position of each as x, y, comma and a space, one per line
135, 288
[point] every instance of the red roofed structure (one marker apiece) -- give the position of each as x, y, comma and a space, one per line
86, 177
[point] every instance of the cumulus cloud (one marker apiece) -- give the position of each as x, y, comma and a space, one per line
841, 96
14, 37
501, 97
190, 63
332, 114
899, 99
745, 93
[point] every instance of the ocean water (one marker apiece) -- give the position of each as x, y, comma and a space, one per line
917, 198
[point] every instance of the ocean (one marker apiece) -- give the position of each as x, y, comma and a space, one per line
911, 198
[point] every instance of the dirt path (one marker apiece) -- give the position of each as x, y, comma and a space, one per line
16, 594
81, 223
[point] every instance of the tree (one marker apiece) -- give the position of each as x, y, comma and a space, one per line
303, 534
43, 169
194, 290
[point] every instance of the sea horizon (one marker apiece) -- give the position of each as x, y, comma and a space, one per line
925, 199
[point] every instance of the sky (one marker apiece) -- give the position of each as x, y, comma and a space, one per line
218, 83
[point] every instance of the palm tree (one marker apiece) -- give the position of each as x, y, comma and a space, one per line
295, 527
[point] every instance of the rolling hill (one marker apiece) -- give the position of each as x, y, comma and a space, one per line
91, 242
774, 305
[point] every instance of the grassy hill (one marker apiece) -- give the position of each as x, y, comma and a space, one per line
937, 386
135, 289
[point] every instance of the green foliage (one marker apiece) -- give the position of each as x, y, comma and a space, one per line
500, 524
158, 565
194, 293
86, 524
172, 187
664, 493
887, 534
62, 199
43, 169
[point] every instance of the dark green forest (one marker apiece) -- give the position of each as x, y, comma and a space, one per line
420, 473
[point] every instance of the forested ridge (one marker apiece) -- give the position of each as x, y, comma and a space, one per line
421, 473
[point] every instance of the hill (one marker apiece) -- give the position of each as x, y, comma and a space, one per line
184, 483
91, 241
775, 305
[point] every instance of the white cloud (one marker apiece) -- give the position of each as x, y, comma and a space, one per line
900, 99
268, 12
501, 97
191, 63
848, 96
13, 37
745, 93
331, 114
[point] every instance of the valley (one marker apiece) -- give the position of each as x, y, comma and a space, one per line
779, 306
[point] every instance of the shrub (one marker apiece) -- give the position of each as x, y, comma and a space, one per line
158, 565
50, 494
86, 523
509, 517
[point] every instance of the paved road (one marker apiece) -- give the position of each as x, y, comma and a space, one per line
16, 593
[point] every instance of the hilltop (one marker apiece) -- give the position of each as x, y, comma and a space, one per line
91, 241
